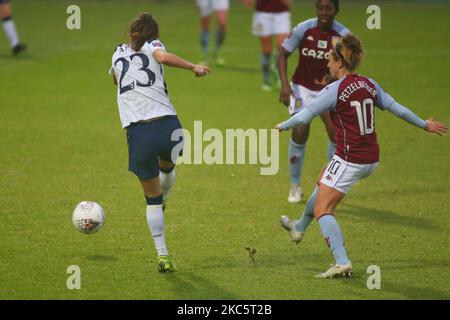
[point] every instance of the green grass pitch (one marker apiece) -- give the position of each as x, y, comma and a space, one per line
61, 142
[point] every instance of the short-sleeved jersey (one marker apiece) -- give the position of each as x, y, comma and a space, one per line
314, 46
351, 102
271, 6
141, 90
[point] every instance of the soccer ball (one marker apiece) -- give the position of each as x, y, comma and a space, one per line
88, 217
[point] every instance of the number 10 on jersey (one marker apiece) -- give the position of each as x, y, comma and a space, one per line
363, 112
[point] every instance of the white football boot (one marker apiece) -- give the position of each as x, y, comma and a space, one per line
295, 194
338, 271
289, 225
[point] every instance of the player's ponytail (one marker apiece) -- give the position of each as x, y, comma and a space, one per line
349, 50
143, 28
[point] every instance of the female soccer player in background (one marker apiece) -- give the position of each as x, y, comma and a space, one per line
313, 38
149, 118
350, 100
271, 19
206, 8
10, 27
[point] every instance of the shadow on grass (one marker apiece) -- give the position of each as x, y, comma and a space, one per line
101, 258
404, 192
406, 291
240, 69
190, 286
388, 217
263, 260
23, 56
417, 264
412, 292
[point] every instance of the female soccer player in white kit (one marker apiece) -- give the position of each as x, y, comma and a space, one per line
350, 100
149, 118
10, 28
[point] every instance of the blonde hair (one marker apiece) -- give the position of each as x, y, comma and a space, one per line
350, 51
143, 28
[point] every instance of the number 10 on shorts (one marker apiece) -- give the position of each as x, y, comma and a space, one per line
333, 172
334, 166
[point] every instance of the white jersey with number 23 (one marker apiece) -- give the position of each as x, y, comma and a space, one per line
141, 90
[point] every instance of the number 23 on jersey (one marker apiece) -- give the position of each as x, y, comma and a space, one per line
144, 68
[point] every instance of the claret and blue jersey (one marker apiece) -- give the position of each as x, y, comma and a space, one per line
274, 6
351, 102
314, 46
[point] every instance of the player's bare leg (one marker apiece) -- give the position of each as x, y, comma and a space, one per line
327, 201
297, 148
155, 221
266, 55
297, 228
204, 38
152, 188
10, 29
222, 19
280, 39
5, 10
167, 178
326, 119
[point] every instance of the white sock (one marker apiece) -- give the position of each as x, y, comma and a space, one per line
166, 181
11, 33
155, 221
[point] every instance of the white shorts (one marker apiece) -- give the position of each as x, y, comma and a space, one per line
342, 175
268, 24
302, 97
207, 7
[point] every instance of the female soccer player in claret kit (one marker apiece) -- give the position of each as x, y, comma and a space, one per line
351, 101
271, 19
313, 38
149, 118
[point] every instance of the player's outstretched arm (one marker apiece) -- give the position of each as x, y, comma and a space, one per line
404, 113
385, 101
286, 91
437, 127
172, 60
303, 117
324, 101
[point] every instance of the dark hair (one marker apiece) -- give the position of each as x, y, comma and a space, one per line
143, 28
349, 50
334, 2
